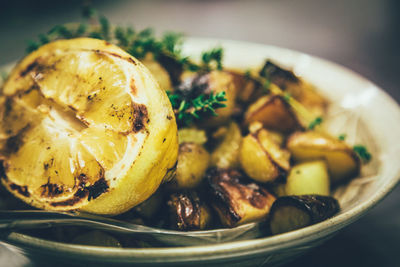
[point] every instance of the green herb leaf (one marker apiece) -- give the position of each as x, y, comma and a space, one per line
342, 137
212, 56
188, 110
315, 122
363, 153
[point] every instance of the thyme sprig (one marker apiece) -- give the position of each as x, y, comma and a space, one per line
138, 44
189, 110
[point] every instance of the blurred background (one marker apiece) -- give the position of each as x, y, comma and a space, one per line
362, 35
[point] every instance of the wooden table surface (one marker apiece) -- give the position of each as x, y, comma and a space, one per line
360, 34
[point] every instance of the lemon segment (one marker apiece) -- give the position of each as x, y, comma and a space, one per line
83, 125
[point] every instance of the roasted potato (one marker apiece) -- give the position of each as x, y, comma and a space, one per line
274, 113
188, 212
193, 161
211, 82
343, 163
158, 71
247, 88
237, 200
308, 178
261, 158
192, 135
226, 155
302, 91
294, 212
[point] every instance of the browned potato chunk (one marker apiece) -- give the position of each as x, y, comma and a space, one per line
193, 161
236, 200
302, 91
247, 89
274, 113
261, 158
226, 155
343, 163
188, 212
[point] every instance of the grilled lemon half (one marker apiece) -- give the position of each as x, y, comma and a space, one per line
85, 126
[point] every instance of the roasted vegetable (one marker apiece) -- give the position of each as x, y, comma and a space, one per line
293, 212
193, 161
158, 71
296, 87
308, 178
236, 199
343, 163
188, 212
192, 135
274, 113
213, 82
261, 158
247, 88
226, 155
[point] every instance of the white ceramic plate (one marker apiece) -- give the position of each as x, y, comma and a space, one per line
362, 110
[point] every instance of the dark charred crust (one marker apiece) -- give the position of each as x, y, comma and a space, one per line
185, 211
51, 190
132, 61
164, 140
36, 68
278, 75
140, 117
14, 143
29, 68
85, 192
172, 66
79, 196
22, 190
229, 188
99, 187
169, 117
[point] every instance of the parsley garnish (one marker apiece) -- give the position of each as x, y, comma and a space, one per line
315, 122
189, 110
342, 137
363, 153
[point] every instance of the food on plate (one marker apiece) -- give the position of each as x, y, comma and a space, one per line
188, 212
85, 126
262, 158
193, 161
308, 178
237, 200
226, 154
342, 161
293, 212
131, 126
